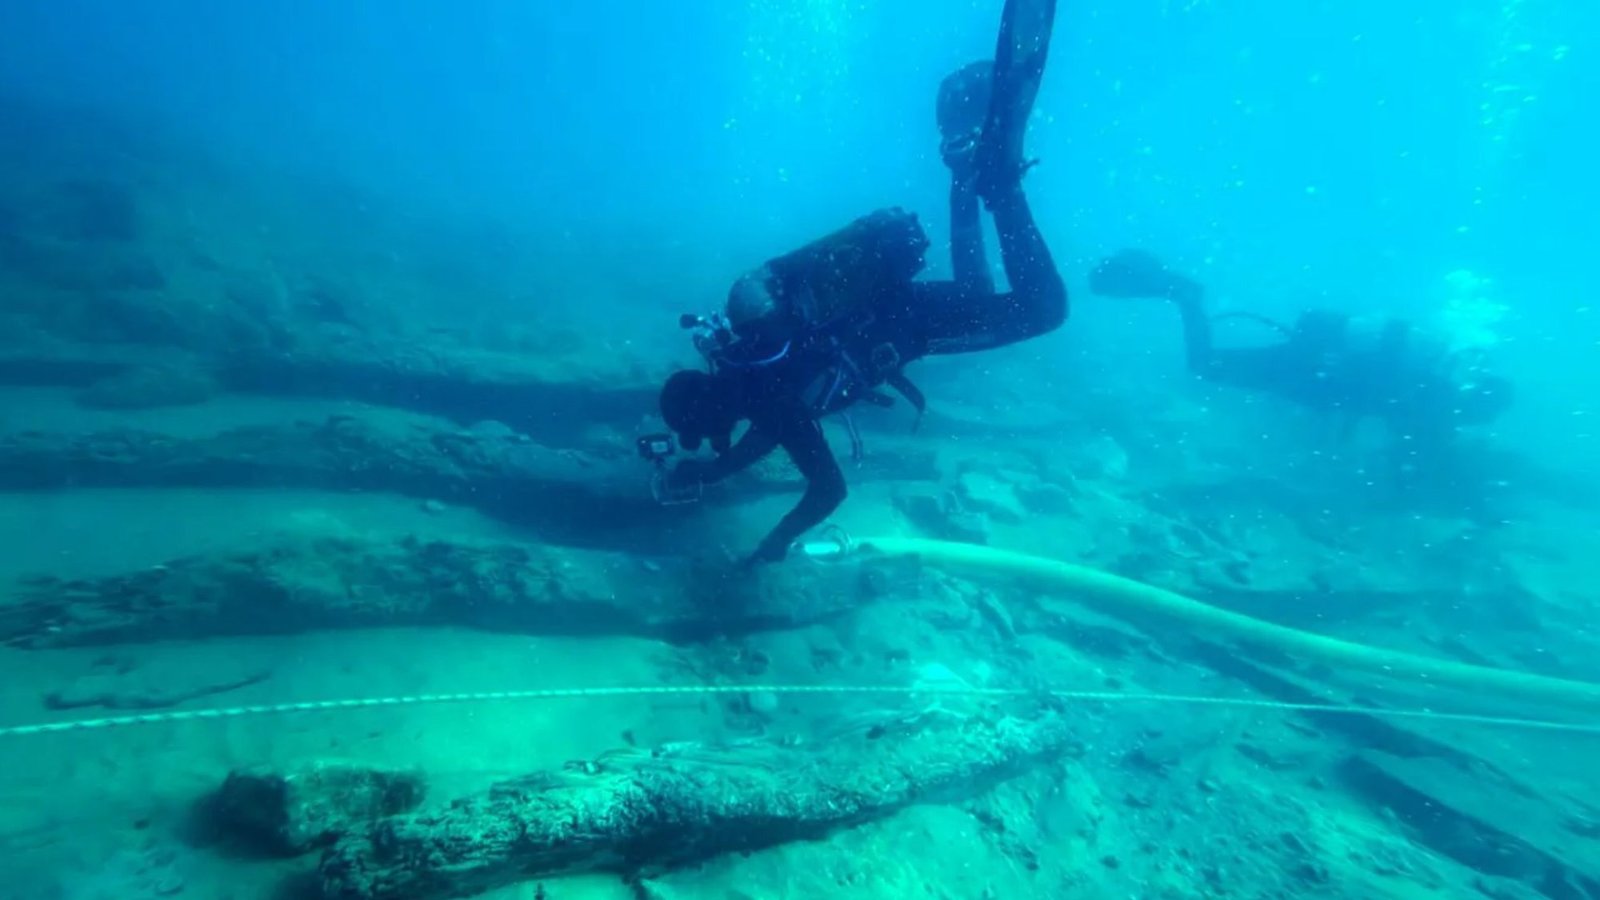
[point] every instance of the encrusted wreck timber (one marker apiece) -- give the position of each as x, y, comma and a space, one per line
637, 812
299, 585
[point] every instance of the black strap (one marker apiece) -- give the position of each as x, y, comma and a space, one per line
858, 450
911, 392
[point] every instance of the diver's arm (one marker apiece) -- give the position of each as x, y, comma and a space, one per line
825, 489
754, 444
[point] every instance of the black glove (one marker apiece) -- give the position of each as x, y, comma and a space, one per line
772, 550
688, 474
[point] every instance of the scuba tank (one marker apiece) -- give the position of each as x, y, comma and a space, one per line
836, 279
825, 288
819, 297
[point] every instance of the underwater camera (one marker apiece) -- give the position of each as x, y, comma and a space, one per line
656, 449
712, 335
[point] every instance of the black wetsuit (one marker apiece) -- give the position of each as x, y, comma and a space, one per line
785, 400
1391, 373
1328, 361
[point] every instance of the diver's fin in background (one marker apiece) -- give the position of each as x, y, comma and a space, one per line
1135, 274
1019, 59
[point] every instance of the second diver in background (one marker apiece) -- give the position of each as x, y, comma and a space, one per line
1386, 370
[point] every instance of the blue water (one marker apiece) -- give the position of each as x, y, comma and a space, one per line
541, 188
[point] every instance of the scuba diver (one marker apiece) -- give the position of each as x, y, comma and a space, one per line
811, 333
1386, 369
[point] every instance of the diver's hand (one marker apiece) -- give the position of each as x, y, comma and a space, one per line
771, 551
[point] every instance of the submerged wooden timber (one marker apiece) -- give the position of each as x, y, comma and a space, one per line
310, 584
639, 811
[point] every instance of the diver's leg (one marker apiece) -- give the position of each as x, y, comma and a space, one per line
949, 318
1274, 367
967, 259
983, 110
1020, 55
1038, 298
1137, 275
962, 106
985, 157
1198, 346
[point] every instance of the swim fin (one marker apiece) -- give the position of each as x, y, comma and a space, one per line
962, 110
1019, 60
983, 107
1135, 274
